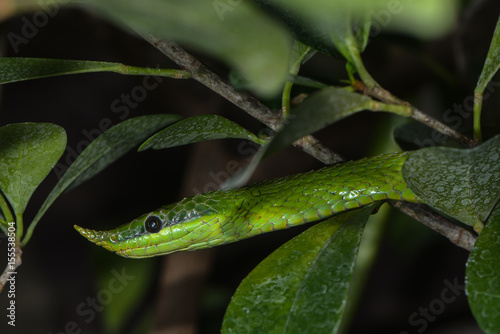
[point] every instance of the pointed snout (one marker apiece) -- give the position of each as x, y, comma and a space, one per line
97, 237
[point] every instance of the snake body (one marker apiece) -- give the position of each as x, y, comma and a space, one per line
221, 217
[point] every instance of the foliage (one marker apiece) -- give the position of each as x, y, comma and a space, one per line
304, 286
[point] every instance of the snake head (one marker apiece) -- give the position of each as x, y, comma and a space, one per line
185, 225
116, 240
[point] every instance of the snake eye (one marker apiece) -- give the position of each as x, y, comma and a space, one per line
153, 224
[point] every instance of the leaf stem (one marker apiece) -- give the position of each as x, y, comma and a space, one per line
29, 232
401, 110
4, 207
363, 73
478, 104
285, 98
19, 226
299, 53
160, 72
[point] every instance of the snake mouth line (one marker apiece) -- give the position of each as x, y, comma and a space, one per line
103, 239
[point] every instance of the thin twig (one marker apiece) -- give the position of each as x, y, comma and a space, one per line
385, 96
456, 234
438, 126
244, 101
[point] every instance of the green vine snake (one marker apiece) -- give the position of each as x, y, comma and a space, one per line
225, 216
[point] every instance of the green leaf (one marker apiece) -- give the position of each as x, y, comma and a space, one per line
28, 151
318, 111
315, 29
463, 183
19, 69
492, 63
347, 42
111, 145
301, 287
490, 68
300, 54
361, 28
307, 82
424, 18
235, 32
103, 151
483, 276
195, 129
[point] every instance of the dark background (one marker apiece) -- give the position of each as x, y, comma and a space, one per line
61, 270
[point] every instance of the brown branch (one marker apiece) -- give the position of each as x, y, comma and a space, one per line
244, 101
387, 97
456, 234
438, 126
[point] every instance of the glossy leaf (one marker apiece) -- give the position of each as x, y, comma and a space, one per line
316, 112
301, 287
236, 32
19, 69
103, 151
483, 276
195, 129
28, 152
463, 183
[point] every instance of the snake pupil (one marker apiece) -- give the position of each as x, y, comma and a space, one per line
153, 224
